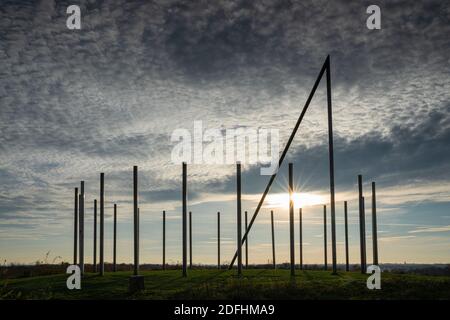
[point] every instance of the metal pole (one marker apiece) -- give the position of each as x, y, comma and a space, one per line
331, 161
325, 236
190, 240
136, 220
300, 222
374, 226
291, 218
115, 239
347, 267
283, 155
246, 242
218, 240
365, 245
239, 218
81, 228
102, 224
273, 240
75, 229
164, 241
95, 235
362, 226
184, 231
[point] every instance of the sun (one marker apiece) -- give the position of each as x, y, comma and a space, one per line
301, 200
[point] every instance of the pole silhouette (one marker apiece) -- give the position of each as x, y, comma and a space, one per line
164, 241
75, 228
115, 239
362, 226
239, 218
325, 66
81, 227
273, 240
102, 224
246, 242
184, 231
347, 267
331, 164
325, 237
136, 221
374, 226
300, 231
218, 240
95, 235
291, 218
190, 240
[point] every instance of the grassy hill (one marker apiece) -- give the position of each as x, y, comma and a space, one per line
224, 284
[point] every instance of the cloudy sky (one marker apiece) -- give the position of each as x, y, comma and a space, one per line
74, 103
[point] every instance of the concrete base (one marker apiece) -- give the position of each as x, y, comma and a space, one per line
136, 283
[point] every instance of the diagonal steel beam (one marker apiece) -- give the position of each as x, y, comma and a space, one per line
325, 66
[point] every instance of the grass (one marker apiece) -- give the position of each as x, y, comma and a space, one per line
224, 284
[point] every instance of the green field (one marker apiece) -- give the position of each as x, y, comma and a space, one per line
224, 284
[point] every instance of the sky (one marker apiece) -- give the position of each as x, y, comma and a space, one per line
74, 103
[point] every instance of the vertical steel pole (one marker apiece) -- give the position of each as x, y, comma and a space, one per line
115, 239
81, 228
75, 229
365, 243
362, 226
136, 220
218, 240
184, 231
102, 224
300, 222
347, 267
325, 237
239, 218
331, 161
95, 235
246, 242
190, 240
374, 226
164, 241
291, 218
273, 240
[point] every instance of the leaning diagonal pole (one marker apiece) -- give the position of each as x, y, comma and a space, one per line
283, 154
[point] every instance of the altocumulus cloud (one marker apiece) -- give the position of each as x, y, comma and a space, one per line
74, 103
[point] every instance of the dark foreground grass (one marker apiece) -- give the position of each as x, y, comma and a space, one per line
224, 284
